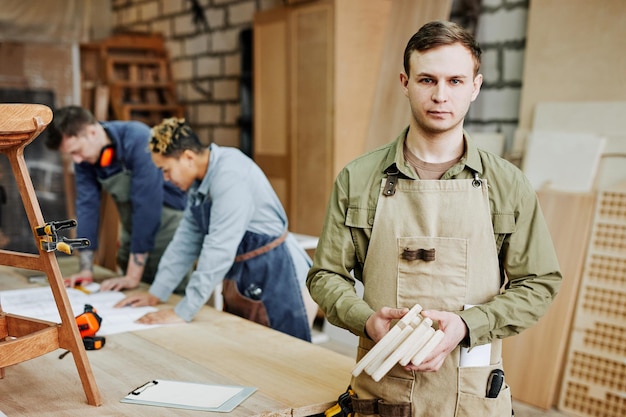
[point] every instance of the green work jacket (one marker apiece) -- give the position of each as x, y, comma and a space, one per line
529, 267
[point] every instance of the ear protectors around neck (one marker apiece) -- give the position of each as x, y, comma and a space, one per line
106, 156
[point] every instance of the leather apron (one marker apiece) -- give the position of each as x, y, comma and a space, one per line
453, 217
119, 187
262, 285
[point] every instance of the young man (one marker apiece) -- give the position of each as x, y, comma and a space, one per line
494, 271
235, 227
114, 157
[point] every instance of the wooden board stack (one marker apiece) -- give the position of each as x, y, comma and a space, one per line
410, 340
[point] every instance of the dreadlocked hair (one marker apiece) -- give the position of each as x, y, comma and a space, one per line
172, 137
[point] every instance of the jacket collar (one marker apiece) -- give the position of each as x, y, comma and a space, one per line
395, 158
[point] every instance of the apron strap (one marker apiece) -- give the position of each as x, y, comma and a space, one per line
390, 183
263, 249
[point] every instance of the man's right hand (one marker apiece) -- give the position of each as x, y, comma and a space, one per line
138, 300
379, 323
119, 283
80, 278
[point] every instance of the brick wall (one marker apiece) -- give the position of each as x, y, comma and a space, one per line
206, 59
501, 32
206, 62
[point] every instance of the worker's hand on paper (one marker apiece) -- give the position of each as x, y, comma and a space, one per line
119, 283
138, 300
80, 278
379, 323
454, 330
160, 317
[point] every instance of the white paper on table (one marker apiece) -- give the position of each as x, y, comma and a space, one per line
39, 303
478, 356
189, 395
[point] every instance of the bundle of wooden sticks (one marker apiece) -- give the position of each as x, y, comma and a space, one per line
410, 340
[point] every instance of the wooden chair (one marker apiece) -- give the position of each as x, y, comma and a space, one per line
23, 338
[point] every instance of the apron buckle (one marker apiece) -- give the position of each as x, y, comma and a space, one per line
426, 255
390, 183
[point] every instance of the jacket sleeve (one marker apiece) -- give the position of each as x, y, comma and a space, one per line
329, 280
529, 262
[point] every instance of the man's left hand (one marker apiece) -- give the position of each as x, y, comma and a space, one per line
454, 330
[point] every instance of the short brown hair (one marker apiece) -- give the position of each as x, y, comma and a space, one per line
440, 33
68, 121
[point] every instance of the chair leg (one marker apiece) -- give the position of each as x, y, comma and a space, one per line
69, 337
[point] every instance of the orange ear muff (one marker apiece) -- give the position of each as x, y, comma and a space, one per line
106, 156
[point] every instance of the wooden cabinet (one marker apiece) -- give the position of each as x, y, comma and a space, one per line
315, 71
327, 89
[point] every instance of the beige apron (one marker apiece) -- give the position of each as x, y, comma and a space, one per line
453, 217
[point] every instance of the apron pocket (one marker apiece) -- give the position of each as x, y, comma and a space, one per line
235, 303
473, 390
438, 279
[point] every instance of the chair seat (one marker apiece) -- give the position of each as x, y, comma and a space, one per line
18, 123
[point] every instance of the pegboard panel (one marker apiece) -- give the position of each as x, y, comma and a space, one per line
579, 401
606, 270
598, 371
612, 206
603, 302
610, 237
603, 338
594, 382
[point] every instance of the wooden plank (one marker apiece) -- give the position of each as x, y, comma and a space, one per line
559, 33
534, 359
359, 52
311, 64
563, 161
391, 110
604, 118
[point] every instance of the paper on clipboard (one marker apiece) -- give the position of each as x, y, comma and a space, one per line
189, 395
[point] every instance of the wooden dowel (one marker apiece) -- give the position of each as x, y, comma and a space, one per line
400, 351
388, 339
421, 335
391, 347
430, 345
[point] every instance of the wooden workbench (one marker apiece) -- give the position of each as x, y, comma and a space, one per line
292, 377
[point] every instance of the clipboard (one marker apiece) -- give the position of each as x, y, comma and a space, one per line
189, 395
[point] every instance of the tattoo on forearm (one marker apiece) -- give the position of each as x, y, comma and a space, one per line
139, 259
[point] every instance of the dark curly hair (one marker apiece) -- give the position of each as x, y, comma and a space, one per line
172, 137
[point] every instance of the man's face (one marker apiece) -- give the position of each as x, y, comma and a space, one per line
440, 87
179, 171
82, 147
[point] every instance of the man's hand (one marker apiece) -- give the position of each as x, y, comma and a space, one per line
119, 283
454, 330
76, 279
134, 271
138, 300
160, 317
378, 324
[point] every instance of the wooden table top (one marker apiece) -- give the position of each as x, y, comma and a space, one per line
292, 377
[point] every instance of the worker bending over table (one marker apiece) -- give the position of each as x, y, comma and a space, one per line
113, 156
236, 228
430, 219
